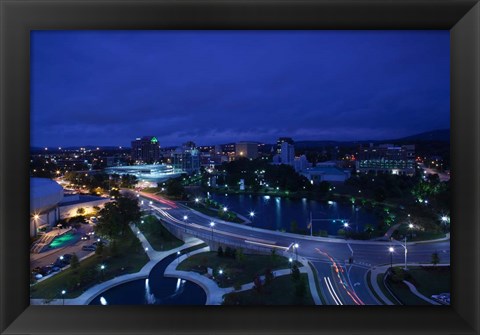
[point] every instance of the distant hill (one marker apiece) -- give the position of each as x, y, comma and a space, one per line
440, 135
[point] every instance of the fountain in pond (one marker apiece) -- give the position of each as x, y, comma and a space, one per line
149, 297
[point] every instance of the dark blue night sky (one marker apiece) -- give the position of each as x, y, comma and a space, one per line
109, 87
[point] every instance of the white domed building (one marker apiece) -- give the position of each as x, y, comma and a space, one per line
45, 195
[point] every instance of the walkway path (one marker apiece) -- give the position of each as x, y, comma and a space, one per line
414, 290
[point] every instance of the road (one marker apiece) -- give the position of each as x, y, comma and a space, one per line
341, 283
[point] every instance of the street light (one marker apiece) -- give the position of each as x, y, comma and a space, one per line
185, 218
295, 246
252, 215
102, 267
212, 224
63, 297
178, 257
391, 250
225, 209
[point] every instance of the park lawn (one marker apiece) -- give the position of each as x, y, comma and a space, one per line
235, 272
157, 235
130, 259
430, 280
403, 293
281, 291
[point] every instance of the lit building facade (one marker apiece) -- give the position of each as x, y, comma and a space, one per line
146, 150
287, 154
387, 158
282, 140
186, 158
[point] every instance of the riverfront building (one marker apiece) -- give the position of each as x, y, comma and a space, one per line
387, 158
146, 150
327, 171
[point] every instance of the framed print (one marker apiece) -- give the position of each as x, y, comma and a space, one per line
230, 167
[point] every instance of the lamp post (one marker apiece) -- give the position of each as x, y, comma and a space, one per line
252, 215
212, 224
295, 246
185, 218
178, 257
404, 246
102, 267
391, 250
63, 297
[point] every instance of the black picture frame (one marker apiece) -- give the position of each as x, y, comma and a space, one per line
18, 17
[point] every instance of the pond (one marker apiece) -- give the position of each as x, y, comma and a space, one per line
155, 290
277, 213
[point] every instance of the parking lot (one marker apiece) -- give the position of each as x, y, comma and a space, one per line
49, 257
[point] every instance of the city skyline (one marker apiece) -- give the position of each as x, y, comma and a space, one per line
107, 88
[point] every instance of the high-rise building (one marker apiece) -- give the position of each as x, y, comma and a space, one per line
387, 158
246, 149
287, 153
146, 150
301, 163
282, 140
186, 158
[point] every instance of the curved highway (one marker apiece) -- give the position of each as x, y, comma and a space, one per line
341, 283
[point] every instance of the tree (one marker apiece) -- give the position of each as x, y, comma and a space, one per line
81, 211
220, 251
435, 258
74, 262
295, 272
268, 276
257, 284
100, 249
300, 289
175, 188
115, 217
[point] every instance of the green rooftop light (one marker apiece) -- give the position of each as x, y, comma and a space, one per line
154, 140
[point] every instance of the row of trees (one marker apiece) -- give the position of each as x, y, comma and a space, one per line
115, 217
100, 181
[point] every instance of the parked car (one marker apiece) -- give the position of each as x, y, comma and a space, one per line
38, 276
85, 237
46, 270
89, 248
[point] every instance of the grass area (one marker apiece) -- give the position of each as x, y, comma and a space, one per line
236, 271
385, 292
430, 280
229, 216
403, 293
157, 235
283, 290
317, 283
129, 258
